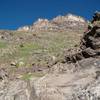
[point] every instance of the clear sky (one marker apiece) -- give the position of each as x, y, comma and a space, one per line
16, 13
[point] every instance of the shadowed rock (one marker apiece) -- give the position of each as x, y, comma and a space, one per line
90, 42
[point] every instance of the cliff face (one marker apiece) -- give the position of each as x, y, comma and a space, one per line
60, 23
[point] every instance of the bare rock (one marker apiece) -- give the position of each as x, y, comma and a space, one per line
17, 90
79, 84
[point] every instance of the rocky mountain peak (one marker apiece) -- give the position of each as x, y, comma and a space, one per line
69, 17
41, 21
72, 17
59, 23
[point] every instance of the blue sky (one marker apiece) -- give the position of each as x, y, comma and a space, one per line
16, 13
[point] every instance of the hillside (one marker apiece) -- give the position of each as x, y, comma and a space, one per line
38, 63
35, 50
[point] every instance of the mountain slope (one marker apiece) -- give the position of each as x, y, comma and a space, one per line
51, 65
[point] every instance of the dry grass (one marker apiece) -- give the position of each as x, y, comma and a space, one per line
38, 49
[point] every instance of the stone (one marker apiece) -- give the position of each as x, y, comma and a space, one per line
17, 90
90, 42
71, 83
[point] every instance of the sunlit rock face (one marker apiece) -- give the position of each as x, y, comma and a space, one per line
69, 17
69, 22
59, 23
41, 24
75, 18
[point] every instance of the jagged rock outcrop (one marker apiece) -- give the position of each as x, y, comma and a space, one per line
60, 23
90, 42
69, 21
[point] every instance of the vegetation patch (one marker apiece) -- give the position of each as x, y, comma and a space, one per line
28, 49
28, 76
3, 44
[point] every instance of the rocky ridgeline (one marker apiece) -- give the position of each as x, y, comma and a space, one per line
60, 23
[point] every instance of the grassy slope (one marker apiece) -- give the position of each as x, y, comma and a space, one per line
39, 49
